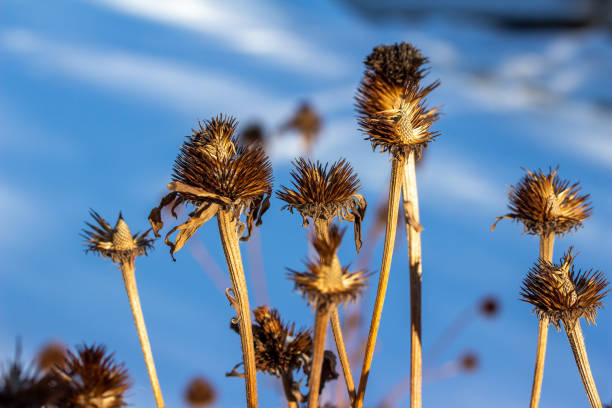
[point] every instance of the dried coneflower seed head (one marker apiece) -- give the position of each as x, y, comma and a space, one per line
50, 355
469, 362
117, 243
489, 306
323, 192
199, 393
213, 175
279, 348
546, 204
306, 121
562, 294
398, 63
252, 135
92, 379
326, 282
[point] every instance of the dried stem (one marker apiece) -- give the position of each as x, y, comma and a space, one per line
413, 234
129, 278
547, 243
322, 230
576, 340
344, 360
395, 185
229, 239
320, 333
287, 379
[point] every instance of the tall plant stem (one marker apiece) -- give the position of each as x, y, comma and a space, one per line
547, 243
322, 231
395, 186
576, 341
129, 279
229, 239
318, 352
413, 234
344, 360
287, 379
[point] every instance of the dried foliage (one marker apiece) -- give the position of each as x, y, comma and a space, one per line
92, 379
546, 204
563, 295
199, 393
212, 173
324, 192
326, 282
117, 243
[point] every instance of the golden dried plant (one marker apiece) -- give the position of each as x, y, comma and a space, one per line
323, 192
116, 243
92, 379
307, 122
211, 173
546, 204
560, 293
49, 355
326, 282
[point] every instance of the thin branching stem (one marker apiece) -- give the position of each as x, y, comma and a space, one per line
413, 235
287, 379
547, 243
576, 340
395, 186
318, 352
229, 240
129, 278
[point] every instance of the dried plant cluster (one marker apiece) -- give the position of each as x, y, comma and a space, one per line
218, 174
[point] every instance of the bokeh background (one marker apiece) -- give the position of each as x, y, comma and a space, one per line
97, 96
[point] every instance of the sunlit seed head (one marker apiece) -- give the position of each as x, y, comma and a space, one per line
398, 63
199, 393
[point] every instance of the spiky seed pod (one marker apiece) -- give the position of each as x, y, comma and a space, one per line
279, 348
26, 387
252, 135
469, 362
199, 393
212, 172
399, 63
116, 243
560, 293
93, 379
324, 192
306, 121
50, 355
489, 306
326, 282
395, 118
546, 204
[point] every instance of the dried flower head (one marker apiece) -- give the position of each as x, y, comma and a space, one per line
93, 379
50, 355
199, 393
562, 294
328, 369
321, 193
211, 173
307, 122
117, 243
26, 387
279, 348
546, 204
398, 63
469, 362
326, 282
253, 135
489, 306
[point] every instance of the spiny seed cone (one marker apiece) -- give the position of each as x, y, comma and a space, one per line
211, 176
399, 63
321, 191
253, 136
489, 306
279, 348
326, 282
199, 393
50, 355
546, 204
92, 379
562, 294
117, 243
469, 362
395, 118
306, 121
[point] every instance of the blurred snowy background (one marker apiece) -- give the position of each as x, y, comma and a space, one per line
97, 96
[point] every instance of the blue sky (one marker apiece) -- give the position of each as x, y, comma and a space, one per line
97, 96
